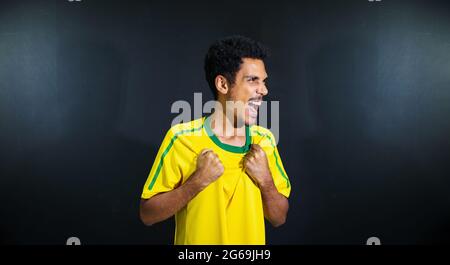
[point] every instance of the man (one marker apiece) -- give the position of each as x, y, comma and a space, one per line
220, 175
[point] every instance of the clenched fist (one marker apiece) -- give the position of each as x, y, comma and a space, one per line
209, 168
257, 167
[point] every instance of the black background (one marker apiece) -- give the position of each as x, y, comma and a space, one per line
364, 89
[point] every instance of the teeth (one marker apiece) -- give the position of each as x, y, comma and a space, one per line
255, 103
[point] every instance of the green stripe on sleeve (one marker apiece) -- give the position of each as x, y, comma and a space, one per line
161, 161
276, 157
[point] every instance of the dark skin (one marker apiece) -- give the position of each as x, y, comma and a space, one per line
249, 85
164, 205
275, 204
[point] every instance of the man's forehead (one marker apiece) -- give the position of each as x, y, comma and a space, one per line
253, 67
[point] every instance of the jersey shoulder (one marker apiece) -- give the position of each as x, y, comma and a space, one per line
187, 128
261, 135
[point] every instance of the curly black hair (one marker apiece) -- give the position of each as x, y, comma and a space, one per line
224, 57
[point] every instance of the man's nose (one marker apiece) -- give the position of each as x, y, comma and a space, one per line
262, 90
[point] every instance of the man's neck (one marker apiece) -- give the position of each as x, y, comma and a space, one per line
225, 126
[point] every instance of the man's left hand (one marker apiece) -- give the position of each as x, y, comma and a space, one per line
257, 167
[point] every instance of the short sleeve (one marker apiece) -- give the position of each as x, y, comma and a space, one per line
165, 174
277, 170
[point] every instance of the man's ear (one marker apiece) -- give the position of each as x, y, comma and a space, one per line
221, 84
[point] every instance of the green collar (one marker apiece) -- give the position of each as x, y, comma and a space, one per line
227, 147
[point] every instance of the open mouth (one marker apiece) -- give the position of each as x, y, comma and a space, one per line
253, 106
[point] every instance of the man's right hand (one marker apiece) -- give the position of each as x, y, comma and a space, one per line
209, 168
166, 204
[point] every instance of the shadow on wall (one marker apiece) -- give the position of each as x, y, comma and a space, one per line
359, 184
87, 183
340, 87
109, 170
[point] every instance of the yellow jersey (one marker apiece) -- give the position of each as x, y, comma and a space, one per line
229, 210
